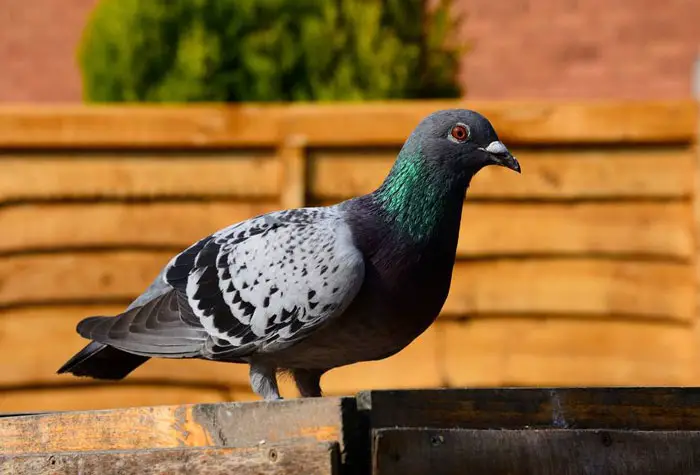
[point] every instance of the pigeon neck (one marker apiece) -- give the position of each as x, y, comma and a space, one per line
420, 201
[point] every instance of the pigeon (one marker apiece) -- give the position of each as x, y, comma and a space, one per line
302, 291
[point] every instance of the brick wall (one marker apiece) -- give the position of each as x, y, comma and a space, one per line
520, 48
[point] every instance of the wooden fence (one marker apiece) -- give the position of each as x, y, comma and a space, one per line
580, 271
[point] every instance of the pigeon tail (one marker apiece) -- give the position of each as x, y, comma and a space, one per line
101, 361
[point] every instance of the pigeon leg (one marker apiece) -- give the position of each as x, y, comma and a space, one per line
263, 380
308, 382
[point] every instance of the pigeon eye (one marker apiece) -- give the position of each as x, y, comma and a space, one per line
459, 133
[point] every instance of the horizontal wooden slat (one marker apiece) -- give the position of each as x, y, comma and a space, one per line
627, 408
105, 397
544, 452
100, 276
205, 425
371, 123
580, 286
130, 126
559, 351
621, 229
573, 286
79, 225
278, 459
547, 174
60, 176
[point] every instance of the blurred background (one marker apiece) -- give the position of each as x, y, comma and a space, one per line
129, 129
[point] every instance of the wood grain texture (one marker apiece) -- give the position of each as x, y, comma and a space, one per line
623, 408
636, 230
536, 351
544, 452
293, 157
278, 459
584, 287
566, 286
145, 175
488, 229
177, 225
548, 174
138, 126
204, 425
107, 396
516, 122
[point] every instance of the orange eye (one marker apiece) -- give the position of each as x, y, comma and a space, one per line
460, 133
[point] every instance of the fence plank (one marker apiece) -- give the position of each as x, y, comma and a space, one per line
123, 225
632, 408
527, 351
203, 425
279, 459
293, 157
634, 230
108, 396
380, 123
566, 286
545, 452
572, 286
666, 173
66, 175
488, 229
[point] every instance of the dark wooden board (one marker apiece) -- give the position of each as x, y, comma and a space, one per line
288, 459
516, 408
540, 452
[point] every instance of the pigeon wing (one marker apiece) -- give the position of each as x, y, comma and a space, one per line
254, 287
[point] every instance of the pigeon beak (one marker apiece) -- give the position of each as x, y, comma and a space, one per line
501, 156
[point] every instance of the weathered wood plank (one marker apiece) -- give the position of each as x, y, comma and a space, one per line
33, 227
566, 286
281, 459
66, 175
108, 396
488, 229
537, 351
371, 123
572, 286
293, 158
203, 425
631, 408
547, 174
544, 452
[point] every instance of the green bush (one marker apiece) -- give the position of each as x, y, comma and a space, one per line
267, 50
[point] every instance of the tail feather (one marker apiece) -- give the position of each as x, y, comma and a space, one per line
101, 361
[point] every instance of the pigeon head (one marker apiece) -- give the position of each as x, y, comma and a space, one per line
459, 142
424, 190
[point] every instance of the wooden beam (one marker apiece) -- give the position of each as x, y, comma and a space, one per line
544, 350
632, 408
587, 287
378, 123
277, 459
544, 452
292, 155
583, 287
549, 174
172, 225
145, 176
203, 425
